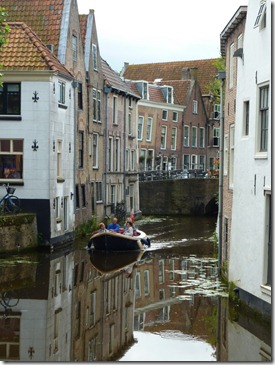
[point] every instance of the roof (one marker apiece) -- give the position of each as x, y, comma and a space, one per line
112, 79
25, 51
232, 24
206, 71
43, 17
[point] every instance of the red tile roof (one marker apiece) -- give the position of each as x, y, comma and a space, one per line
25, 51
42, 16
206, 72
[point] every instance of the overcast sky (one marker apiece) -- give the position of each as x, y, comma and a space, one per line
149, 31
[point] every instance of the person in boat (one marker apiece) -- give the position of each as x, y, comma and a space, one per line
128, 230
129, 219
114, 226
102, 227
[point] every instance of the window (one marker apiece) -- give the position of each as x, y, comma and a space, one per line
96, 105
62, 90
10, 99
202, 138
246, 118
193, 162
80, 149
117, 154
268, 239
94, 56
111, 154
169, 97
225, 238
161, 271
149, 129
150, 158
195, 107
80, 96
140, 128
127, 160
240, 41
263, 117
74, 46
186, 162
225, 166
164, 115
59, 158
261, 16
76, 196
133, 159
83, 196
11, 159
231, 59
186, 136
145, 90
137, 285
201, 162
99, 191
217, 111
231, 156
95, 150
163, 137
130, 103
132, 196
194, 136
113, 194
130, 124
174, 138
146, 282
175, 116
216, 137
114, 110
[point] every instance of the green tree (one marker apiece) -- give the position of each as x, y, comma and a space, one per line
215, 85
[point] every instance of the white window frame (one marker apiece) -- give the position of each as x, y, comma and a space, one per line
115, 109
117, 154
261, 117
246, 117
95, 150
165, 114
111, 154
194, 137
175, 116
186, 137
202, 137
225, 165
231, 65
61, 92
163, 137
149, 129
216, 135
231, 156
195, 107
174, 133
140, 128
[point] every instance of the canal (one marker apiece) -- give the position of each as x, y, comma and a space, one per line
166, 304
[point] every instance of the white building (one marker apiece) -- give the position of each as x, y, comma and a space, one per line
37, 132
250, 251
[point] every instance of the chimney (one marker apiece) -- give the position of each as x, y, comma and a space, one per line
185, 73
126, 64
194, 73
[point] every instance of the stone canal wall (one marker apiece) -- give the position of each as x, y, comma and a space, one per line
17, 232
179, 197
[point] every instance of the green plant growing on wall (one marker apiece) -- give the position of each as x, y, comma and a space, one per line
87, 228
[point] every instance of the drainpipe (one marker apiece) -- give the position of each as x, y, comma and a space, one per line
221, 76
107, 89
74, 85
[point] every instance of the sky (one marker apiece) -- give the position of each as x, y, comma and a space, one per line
150, 31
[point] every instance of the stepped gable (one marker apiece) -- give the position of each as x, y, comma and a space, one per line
112, 79
25, 51
42, 16
205, 72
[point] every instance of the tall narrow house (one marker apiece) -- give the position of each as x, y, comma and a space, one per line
250, 265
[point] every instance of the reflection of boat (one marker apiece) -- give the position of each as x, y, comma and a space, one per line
112, 241
108, 262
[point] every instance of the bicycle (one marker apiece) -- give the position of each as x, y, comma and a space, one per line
9, 202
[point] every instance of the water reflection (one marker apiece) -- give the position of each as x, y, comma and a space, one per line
74, 305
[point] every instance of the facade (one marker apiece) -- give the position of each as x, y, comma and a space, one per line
250, 265
120, 149
199, 139
37, 131
231, 40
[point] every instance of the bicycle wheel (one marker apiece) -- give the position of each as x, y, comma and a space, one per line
9, 299
12, 204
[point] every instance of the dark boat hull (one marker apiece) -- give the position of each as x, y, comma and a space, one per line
111, 241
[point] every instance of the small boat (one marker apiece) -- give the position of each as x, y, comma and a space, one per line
112, 241
110, 262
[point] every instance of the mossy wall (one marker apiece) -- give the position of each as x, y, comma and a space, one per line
17, 232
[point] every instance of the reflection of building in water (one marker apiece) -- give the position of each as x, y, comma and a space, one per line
242, 338
38, 328
103, 306
161, 303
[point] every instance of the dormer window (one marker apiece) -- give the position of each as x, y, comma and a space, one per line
169, 98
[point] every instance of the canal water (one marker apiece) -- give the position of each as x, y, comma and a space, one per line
166, 304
